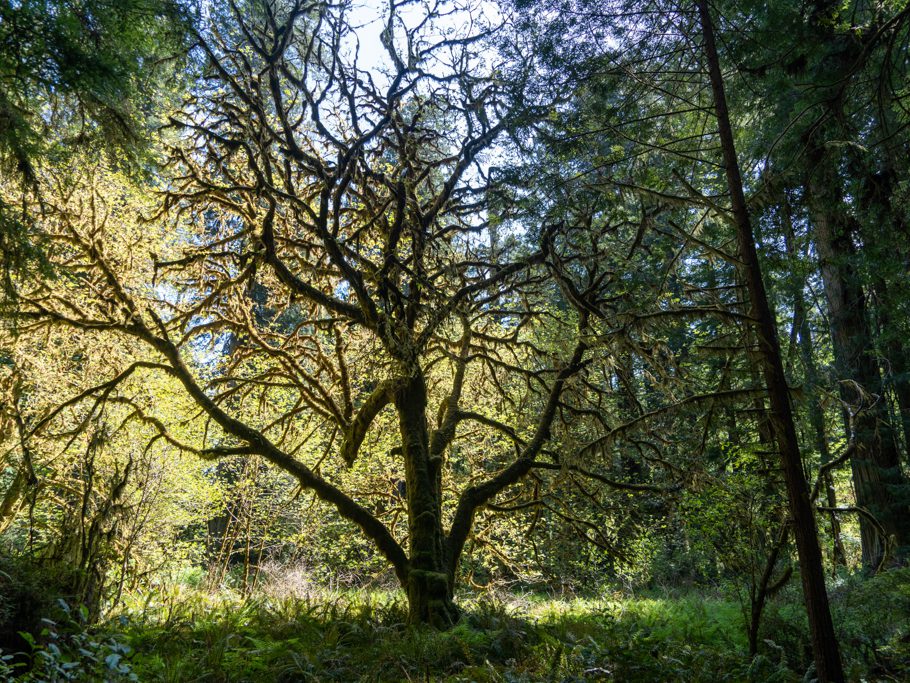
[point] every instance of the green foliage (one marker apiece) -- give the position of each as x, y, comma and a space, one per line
28, 592
359, 636
87, 72
185, 634
66, 650
870, 619
656, 467
81, 77
734, 514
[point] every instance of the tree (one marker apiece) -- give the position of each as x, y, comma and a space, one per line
73, 77
357, 207
833, 129
879, 482
824, 642
672, 61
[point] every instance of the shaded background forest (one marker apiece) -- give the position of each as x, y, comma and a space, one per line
444, 303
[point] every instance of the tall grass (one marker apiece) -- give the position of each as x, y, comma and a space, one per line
315, 633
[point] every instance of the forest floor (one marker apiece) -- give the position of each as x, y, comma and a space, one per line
323, 635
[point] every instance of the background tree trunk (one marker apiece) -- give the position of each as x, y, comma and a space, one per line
812, 381
876, 465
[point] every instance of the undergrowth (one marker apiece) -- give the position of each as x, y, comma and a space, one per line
192, 635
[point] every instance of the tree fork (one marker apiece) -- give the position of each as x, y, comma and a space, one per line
824, 643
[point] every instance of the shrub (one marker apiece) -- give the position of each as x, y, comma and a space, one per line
67, 650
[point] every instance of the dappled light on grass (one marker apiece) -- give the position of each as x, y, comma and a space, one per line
354, 635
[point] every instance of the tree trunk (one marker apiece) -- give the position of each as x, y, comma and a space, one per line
817, 421
895, 318
429, 585
896, 360
824, 643
807, 356
876, 465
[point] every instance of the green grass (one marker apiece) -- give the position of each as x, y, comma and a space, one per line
361, 636
191, 635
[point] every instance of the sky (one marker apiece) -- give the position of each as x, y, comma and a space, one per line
369, 18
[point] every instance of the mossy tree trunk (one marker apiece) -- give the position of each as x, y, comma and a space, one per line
429, 584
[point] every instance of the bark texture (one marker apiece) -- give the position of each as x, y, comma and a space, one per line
429, 586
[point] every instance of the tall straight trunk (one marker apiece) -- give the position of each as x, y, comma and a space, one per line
754, 357
876, 465
824, 643
807, 357
429, 584
817, 421
896, 367
890, 327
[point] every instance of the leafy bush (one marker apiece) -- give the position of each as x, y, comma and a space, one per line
870, 617
28, 591
68, 651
